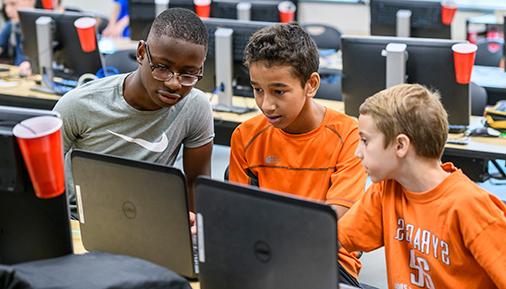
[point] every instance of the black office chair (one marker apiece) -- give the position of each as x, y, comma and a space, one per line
330, 86
325, 37
479, 97
490, 52
123, 60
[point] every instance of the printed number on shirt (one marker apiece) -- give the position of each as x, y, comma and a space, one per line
421, 277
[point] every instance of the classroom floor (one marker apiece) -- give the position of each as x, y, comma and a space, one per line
374, 270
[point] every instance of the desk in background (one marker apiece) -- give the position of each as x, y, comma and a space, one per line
16, 91
472, 158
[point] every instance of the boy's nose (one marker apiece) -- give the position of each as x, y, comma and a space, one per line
268, 105
173, 83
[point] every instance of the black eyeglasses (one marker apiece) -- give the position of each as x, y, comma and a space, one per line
163, 73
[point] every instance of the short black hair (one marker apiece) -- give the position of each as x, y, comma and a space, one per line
284, 44
179, 23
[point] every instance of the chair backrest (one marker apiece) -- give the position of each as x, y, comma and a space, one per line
330, 87
490, 52
123, 60
325, 37
479, 97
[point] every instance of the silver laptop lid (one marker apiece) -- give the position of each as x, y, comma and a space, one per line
133, 208
252, 239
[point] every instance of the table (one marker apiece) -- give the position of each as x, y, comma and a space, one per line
472, 158
16, 90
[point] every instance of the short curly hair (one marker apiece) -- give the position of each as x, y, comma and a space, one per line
284, 44
179, 23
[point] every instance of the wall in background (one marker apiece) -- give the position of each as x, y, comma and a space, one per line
101, 7
348, 18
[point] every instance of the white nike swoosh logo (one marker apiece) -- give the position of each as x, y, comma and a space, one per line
156, 147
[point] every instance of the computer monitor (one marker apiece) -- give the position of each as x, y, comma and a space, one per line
143, 12
425, 20
241, 32
429, 62
261, 10
30, 228
69, 61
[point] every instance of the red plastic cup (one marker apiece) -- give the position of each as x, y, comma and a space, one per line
202, 8
48, 4
448, 9
40, 141
286, 11
463, 59
86, 32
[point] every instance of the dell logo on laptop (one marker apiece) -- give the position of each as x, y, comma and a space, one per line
129, 210
262, 251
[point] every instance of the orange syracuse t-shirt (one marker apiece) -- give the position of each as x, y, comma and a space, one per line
453, 236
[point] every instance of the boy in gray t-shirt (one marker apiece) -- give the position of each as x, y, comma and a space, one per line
149, 113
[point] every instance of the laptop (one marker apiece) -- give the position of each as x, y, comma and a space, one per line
134, 208
252, 239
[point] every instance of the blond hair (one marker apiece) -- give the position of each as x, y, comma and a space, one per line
413, 110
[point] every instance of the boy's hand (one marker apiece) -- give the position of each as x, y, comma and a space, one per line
340, 210
25, 69
193, 223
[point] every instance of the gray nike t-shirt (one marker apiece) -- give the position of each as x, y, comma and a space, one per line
97, 118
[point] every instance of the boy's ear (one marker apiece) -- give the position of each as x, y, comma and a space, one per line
402, 144
312, 84
140, 52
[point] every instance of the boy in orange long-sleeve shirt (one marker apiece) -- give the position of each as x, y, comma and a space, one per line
439, 229
297, 146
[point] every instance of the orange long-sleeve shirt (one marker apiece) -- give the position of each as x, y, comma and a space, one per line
450, 237
318, 165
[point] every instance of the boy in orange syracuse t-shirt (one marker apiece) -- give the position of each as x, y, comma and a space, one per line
439, 229
296, 146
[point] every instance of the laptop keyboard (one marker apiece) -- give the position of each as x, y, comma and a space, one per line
61, 89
